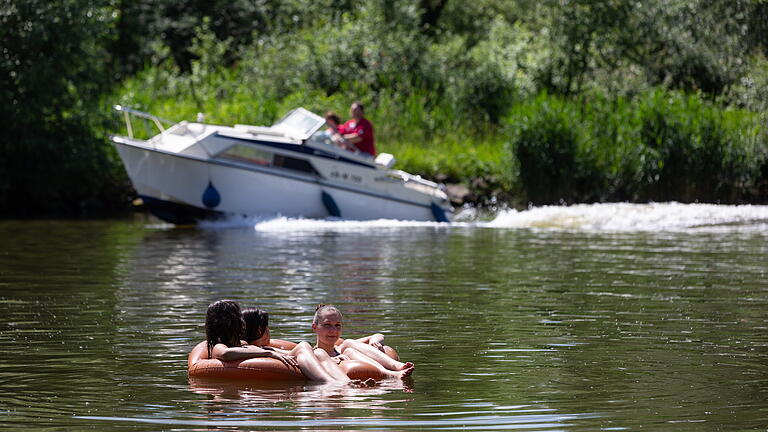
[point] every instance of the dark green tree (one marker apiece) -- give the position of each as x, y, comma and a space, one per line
685, 44
52, 75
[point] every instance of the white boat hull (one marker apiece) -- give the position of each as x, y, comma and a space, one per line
194, 171
168, 181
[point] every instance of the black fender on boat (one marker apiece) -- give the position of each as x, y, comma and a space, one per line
330, 205
438, 213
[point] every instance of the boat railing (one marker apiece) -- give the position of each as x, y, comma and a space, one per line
128, 112
410, 178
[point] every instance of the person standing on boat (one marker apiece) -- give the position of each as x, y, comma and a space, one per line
358, 130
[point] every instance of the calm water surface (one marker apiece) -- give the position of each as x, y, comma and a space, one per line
593, 318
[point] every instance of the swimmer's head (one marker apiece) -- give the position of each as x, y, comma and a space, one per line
256, 324
322, 310
223, 324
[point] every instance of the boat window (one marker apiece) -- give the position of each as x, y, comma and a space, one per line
321, 137
254, 156
248, 154
294, 164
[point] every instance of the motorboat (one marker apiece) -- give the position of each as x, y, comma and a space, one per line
193, 171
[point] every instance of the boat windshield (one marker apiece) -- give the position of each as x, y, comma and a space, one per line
299, 123
322, 136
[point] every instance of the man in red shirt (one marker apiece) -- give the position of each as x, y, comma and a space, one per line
358, 130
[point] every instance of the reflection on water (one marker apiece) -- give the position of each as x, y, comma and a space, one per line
590, 317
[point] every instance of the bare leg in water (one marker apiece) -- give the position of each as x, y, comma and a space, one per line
357, 355
322, 368
334, 370
374, 354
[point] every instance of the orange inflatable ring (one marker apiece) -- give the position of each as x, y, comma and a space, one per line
199, 365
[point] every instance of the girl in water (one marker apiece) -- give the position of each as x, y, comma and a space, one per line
327, 325
224, 324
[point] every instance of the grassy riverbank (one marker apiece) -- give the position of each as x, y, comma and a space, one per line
520, 101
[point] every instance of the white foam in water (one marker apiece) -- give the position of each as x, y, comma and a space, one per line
610, 217
285, 224
625, 217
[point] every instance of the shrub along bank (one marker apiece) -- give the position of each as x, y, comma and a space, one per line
659, 146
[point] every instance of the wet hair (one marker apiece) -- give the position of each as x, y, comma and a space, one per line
330, 115
322, 309
256, 323
223, 324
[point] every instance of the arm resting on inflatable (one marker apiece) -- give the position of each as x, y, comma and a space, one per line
282, 344
225, 353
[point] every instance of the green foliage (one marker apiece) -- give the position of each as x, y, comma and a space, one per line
751, 92
528, 100
685, 44
661, 146
55, 159
241, 21
550, 143
697, 152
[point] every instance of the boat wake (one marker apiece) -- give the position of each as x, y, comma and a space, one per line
607, 217
285, 224
626, 217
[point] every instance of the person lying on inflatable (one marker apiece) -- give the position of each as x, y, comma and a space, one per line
327, 325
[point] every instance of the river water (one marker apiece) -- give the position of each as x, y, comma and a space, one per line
594, 317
